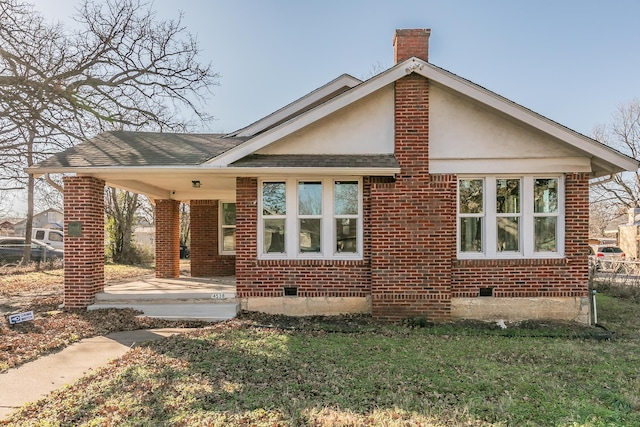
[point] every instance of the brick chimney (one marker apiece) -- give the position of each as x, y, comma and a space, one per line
408, 43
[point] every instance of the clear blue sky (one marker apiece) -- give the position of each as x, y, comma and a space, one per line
573, 61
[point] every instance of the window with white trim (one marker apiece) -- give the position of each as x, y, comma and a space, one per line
510, 217
227, 235
317, 218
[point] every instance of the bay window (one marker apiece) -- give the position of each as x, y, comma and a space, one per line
510, 217
310, 218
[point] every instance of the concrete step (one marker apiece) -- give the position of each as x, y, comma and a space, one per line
164, 297
182, 310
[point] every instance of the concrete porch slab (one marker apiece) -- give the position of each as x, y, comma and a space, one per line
173, 286
186, 298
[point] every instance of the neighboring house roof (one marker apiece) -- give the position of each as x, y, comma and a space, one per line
6, 225
163, 165
614, 225
21, 222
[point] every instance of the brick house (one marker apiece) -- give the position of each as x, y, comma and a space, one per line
413, 193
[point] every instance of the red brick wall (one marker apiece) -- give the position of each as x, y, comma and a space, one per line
412, 226
566, 277
205, 258
313, 278
84, 255
167, 238
408, 43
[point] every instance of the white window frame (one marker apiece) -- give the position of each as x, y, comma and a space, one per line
221, 228
527, 218
328, 217
320, 216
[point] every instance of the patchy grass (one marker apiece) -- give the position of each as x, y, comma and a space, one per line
278, 371
52, 329
265, 370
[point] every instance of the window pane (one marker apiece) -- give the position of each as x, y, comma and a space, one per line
274, 198
545, 193
346, 235
309, 198
310, 235
229, 239
346, 197
471, 234
507, 196
508, 234
55, 237
471, 195
228, 214
545, 230
274, 235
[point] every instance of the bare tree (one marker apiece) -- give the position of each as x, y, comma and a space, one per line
623, 133
601, 215
185, 223
121, 208
120, 67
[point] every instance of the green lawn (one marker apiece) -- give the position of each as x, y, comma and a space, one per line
339, 374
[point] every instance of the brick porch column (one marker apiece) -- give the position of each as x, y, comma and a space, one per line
167, 238
83, 240
204, 237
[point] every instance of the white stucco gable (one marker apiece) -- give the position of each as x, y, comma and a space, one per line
363, 127
467, 137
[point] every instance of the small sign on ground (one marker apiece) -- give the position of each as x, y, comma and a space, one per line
21, 317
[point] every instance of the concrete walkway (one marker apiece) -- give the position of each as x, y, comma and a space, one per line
36, 379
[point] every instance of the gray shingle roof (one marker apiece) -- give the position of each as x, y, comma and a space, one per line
143, 149
317, 161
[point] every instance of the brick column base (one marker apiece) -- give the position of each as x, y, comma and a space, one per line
167, 239
83, 240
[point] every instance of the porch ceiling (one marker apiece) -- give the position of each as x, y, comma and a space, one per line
176, 185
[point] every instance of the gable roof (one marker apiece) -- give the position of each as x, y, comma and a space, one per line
312, 99
163, 165
605, 160
122, 149
387, 161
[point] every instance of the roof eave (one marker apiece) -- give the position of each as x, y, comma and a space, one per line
227, 171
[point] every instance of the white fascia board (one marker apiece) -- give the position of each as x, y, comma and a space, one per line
510, 166
526, 116
221, 171
311, 116
298, 105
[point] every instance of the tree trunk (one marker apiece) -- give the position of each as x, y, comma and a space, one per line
26, 257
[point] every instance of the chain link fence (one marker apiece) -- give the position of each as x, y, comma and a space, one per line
42, 256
